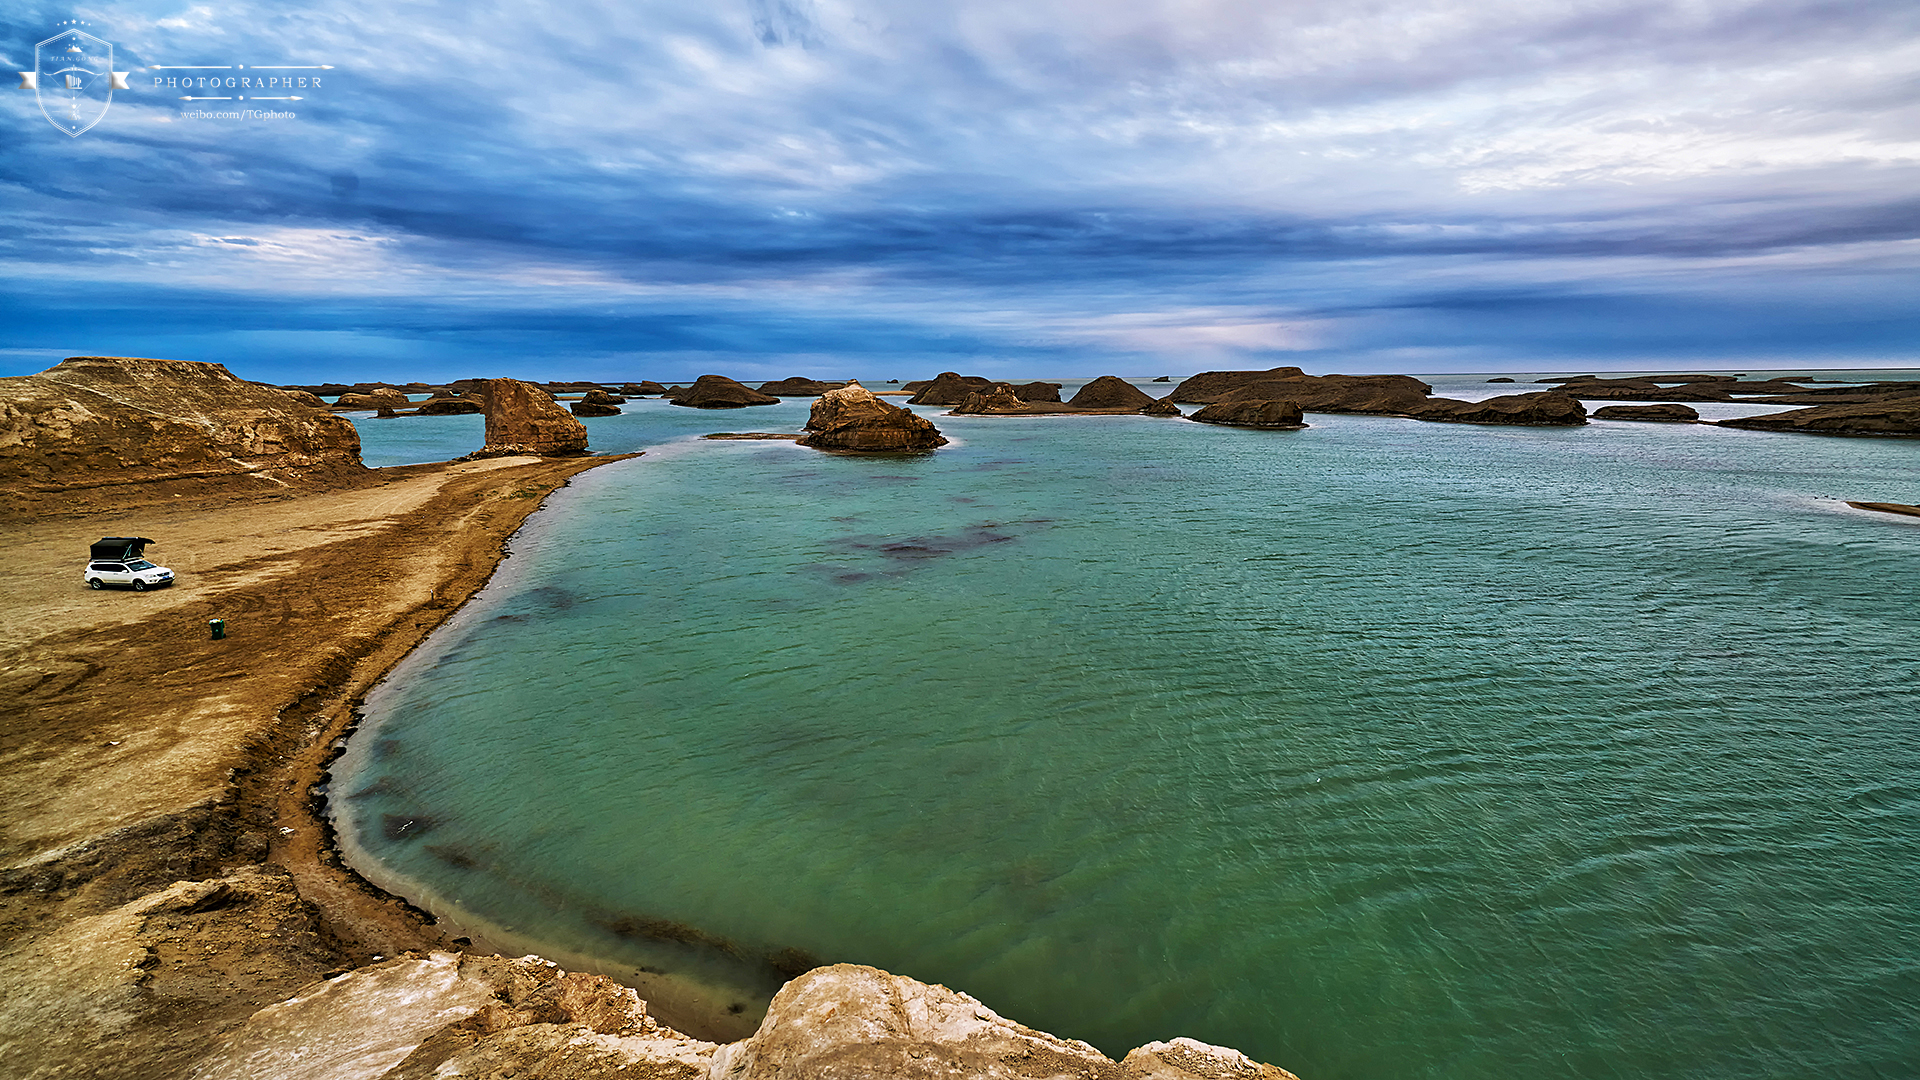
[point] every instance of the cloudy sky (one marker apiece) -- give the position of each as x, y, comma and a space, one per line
889, 188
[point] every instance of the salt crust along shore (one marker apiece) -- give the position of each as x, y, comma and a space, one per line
170, 903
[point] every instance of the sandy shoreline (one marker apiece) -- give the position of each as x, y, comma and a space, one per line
136, 753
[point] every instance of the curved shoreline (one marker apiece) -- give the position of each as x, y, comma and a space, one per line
139, 757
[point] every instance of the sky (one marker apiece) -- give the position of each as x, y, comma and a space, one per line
1015, 188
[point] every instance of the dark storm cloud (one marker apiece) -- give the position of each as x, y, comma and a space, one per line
777, 177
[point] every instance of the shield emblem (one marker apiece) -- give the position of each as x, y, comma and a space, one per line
74, 80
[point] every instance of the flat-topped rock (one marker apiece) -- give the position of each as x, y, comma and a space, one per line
1900, 416
1036, 391
1274, 415
1540, 408
1672, 414
384, 398
853, 419
800, 387
106, 421
451, 406
720, 392
524, 419
1375, 394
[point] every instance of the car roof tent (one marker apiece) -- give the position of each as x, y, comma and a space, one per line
120, 547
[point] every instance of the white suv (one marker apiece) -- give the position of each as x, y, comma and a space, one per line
139, 573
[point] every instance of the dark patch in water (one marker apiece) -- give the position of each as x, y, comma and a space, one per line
902, 554
642, 928
386, 748
549, 597
452, 856
382, 786
398, 827
793, 963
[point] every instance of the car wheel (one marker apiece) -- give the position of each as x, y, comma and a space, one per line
139, 586
96, 583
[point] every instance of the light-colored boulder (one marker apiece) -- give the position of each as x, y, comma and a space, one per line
1190, 1059
383, 398
853, 418
848, 1022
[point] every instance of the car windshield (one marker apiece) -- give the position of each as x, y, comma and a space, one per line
140, 564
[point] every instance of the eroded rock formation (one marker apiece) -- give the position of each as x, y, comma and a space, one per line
996, 400
310, 400
597, 403
852, 418
383, 398
1899, 416
1111, 392
1278, 415
524, 419
720, 392
799, 387
1106, 395
1036, 391
105, 421
451, 406
1672, 414
1542, 408
451, 1015
1379, 394
947, 388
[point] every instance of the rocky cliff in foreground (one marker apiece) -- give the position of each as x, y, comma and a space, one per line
105, 422
450, 1015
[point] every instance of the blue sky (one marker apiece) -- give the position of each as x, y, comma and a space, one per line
889, 189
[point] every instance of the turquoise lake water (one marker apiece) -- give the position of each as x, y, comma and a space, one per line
1378, 749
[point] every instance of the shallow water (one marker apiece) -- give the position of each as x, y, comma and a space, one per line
1376, 749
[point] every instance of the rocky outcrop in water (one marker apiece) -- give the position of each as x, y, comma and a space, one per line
852, 418
447, 1015
947, 388
1900, 416
1036, 391
384, 398
310, 400
597, 403
1277, 415
799, 387
524, 419
105, 421
1542, 408
1106, 395
1672, 414
720, 392
642, 388
1378, 394
451, 406
1112, 392
996, 400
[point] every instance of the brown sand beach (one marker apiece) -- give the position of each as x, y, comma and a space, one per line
137, 752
